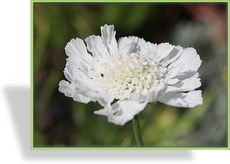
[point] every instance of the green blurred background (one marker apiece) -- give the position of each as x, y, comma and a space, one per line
61, 122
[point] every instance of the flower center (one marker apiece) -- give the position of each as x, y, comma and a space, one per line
127, 74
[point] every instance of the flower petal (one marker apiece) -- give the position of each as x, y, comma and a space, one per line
108, 38
78, 65
138, 97
76, 49
189, 59
128, 45
188, 84
105, 100
97, 48
122, 111
86, 90
184, 75
163, 50
157, 93
76, 72
150, 49
172, 56
69, 91
186, 100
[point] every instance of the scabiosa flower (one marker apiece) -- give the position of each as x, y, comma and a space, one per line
125, 75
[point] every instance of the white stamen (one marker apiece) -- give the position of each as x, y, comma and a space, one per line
127, 74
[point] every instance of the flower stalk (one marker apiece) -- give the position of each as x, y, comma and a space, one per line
137, 131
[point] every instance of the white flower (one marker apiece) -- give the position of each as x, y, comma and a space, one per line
125, 75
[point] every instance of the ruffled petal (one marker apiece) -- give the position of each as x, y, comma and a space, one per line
79, 62
79, 73
138, 97
105, 100
157, 93
122, 111
108, 38
128, 45
149, 49
163, 50
184, 75
186, 100
97, 48
69, 91
172, 56
188, 84
189, 59
76, 49
87, 90
73, 72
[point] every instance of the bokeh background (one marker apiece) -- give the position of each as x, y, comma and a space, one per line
58, 121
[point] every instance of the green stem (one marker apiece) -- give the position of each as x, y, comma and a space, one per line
137, 131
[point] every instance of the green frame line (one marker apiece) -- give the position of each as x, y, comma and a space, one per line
228, 74
115, 148
133, 1
31, 74
127, 148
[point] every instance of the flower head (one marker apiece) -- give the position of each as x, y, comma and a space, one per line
125, 75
